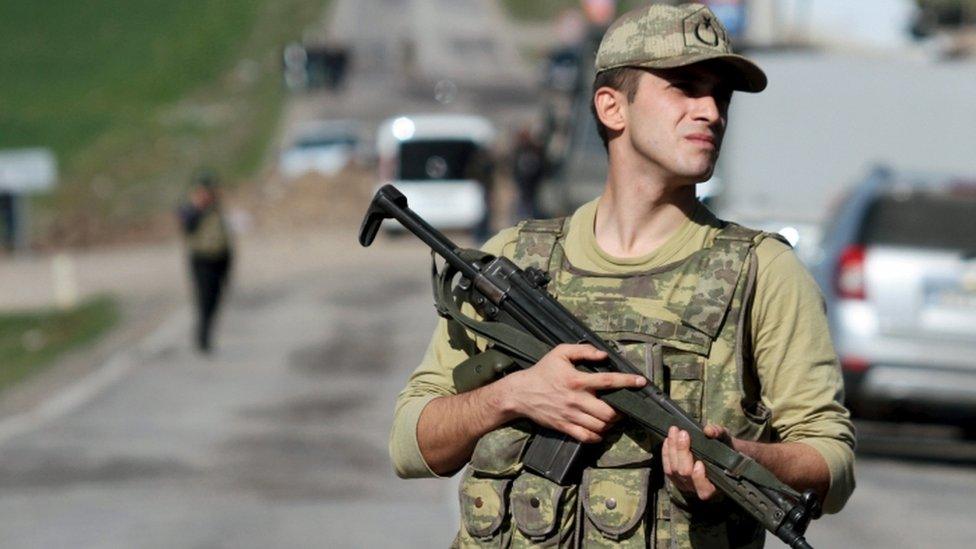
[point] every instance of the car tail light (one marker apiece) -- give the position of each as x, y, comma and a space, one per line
849, 280
854, 364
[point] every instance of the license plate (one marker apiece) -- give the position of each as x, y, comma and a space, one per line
950, 295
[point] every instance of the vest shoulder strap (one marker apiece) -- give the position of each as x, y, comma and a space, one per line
537, 240
719, 270
736, 232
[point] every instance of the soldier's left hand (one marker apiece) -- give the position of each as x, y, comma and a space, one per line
685, 472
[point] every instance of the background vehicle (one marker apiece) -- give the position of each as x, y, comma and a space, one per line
899, 276
430, 159
323, 146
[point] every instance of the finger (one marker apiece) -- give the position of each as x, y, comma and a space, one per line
666, 457
684, 461
718, 433
703, 487
579, 352
673, 450
588, 422
611, 380
580, 433
598, 409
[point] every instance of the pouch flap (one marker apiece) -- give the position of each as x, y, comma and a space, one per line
536, 504
627, 446
615, 499
483, 504
499, 453
635, 319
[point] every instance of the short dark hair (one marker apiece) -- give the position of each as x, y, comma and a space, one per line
623, 79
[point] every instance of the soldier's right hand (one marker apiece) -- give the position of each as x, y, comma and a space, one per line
554, 394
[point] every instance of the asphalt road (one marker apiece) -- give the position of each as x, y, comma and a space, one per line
277, 440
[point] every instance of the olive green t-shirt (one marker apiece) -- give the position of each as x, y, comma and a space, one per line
794, 358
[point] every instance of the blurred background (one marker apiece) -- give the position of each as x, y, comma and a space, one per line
124, 124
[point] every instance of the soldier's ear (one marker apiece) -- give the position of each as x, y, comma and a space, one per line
611, 108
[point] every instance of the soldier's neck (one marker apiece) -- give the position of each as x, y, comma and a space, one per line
638, 213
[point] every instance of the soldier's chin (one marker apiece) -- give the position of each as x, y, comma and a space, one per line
700, 175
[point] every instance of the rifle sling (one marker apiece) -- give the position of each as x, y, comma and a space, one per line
517, 342
634, 404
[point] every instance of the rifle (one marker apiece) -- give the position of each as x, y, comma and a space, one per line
523, 322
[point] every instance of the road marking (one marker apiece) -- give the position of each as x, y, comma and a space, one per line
76, 395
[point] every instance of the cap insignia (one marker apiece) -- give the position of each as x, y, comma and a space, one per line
702, 30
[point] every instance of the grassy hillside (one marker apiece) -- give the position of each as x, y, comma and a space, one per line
72, 70
133, 95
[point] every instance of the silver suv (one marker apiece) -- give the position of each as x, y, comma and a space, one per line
898, 272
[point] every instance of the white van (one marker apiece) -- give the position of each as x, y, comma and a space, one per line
428, 158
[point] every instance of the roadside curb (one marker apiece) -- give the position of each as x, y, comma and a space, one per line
77, 377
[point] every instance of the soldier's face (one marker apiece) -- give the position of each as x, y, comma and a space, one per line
677, 120
202, 197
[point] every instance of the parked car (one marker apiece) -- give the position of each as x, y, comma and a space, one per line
429, 159
899, 277
322, 146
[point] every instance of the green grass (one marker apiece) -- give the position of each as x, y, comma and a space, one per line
72, 70
30, 341
134, 95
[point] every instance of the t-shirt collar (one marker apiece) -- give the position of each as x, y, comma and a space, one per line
660, 256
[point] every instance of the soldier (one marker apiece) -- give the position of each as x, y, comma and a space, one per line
481, 168
528, 169
209, 247
724, 318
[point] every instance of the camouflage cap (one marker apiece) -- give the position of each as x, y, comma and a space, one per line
663, 37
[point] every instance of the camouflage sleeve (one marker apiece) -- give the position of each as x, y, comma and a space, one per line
432, 379
798, 367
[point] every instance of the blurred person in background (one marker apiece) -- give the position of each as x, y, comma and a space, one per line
528, 169
8, 221
722, 317
481, 168
209, 248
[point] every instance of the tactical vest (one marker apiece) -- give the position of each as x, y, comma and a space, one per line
685, 323
210, 239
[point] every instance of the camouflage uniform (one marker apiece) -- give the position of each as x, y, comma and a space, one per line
683, 323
